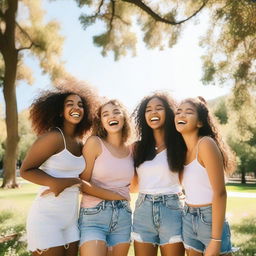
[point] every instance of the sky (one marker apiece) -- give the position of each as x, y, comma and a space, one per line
177, 70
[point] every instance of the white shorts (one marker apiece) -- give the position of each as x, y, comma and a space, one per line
52, 221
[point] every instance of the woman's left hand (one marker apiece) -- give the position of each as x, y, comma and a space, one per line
213, 249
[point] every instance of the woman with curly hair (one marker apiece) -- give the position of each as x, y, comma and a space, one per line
158, 157
205, 231
54, 161
105, 225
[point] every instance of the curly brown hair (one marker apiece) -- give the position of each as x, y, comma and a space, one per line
210, 128
46, 111
98, 129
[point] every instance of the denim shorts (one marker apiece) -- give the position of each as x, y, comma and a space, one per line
157, 219
109, 221
197, 229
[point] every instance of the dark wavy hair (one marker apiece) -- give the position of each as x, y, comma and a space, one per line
210, 128
98, 129
46, 112
144, 148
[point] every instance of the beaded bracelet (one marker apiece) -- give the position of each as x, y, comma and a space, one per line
216, 240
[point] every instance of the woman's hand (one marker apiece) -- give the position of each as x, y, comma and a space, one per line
59, 184
213, 249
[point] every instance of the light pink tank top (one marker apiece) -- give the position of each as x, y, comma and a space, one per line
111, 173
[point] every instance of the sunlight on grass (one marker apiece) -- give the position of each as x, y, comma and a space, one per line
15, 203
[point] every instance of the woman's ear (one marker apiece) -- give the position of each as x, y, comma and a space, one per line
199, 124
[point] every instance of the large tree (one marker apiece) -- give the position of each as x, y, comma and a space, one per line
230, 42
23, 32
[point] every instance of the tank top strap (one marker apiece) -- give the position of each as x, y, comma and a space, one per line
103, 147
62, 136
197, 146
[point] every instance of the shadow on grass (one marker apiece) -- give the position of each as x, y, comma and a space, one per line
244, 236
12, 231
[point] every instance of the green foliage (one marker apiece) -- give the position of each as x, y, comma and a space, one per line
157, 20
27, 136
221, 112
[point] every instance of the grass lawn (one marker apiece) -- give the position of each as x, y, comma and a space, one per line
246, 188
14, 205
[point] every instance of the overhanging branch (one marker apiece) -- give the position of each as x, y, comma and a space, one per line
29, 38
157, 17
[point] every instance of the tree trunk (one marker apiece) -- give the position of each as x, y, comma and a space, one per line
11, 122
243, 179
10, 56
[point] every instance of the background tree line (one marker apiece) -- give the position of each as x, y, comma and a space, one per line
242, 145
230, 51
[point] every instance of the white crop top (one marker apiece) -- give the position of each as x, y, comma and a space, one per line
196, 183
155, 176
64, 164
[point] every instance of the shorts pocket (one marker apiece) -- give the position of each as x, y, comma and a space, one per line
139, 201
206, 218
173, 204
127, 206
90, 211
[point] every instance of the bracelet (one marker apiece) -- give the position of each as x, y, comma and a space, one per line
216, 240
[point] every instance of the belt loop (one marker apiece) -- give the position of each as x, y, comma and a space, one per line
185, 209
103, 205
163, 198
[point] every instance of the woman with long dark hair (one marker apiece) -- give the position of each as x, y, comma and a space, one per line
207, 157
158, 160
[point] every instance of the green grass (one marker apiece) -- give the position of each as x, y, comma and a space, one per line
246, 188
14, 206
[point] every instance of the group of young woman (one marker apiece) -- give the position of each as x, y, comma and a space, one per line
178, 149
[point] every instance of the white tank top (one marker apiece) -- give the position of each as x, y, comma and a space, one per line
64, 164
196, 183
155, 176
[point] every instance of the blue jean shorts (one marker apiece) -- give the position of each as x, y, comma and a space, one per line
197, 229
109, 221
157, 219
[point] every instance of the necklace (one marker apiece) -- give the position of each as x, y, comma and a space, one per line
159, 147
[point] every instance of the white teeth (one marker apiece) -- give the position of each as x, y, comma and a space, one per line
75, 114
113, 123
154, 118
181, 122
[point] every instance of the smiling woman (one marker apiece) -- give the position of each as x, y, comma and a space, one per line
105, 222
55, 161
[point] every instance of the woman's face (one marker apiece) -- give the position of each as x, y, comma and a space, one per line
112, 118
186, 118
73, 111
155, 113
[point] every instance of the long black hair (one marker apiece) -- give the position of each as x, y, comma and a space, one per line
144, 148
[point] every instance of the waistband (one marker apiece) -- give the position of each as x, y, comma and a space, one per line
160, 197
197, 210
111, 203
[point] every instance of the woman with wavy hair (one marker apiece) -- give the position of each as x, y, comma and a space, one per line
60, 118
105, 225
158, 159
207, 157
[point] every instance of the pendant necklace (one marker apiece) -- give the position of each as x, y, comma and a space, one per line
159, 147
